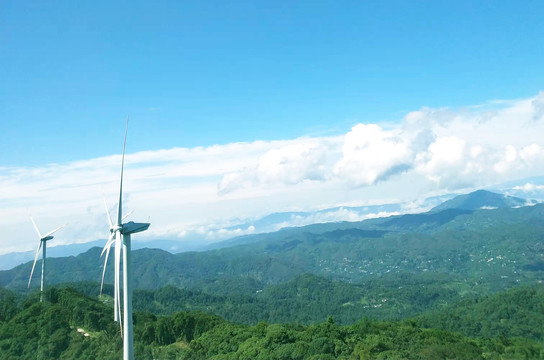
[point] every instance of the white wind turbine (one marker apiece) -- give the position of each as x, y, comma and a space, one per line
41, 245
120, 235
113, 239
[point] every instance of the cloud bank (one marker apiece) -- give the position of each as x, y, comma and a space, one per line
451, 149
198, 193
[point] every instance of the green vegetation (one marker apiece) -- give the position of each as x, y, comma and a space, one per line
8, 305
70, 325
307, 299
517, 312
49, 330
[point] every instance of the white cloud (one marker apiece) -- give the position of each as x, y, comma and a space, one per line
529, 187
222, 234
371, 154
182, 190
287, 163
443, 157
531, 153
293, 163
340, 214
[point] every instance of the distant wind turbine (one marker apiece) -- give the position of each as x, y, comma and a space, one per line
122, 231
41, 245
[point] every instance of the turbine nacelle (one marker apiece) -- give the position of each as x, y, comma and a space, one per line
131, 227
45, 238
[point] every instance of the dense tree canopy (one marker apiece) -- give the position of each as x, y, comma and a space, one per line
70, 325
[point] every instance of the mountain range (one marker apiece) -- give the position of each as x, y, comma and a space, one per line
488, 242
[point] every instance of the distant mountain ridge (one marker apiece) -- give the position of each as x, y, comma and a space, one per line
11, 260
450, 209
470, 243
285, 220
481, 199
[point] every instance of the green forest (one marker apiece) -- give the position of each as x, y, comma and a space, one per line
71, 325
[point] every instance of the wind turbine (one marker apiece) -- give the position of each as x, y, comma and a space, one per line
41, 245
113, 239
122, 231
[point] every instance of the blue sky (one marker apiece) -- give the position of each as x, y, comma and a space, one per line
200, 73
242, 109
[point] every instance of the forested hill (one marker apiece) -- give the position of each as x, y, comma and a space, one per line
433, 301
307, 299
69, 325
517, 312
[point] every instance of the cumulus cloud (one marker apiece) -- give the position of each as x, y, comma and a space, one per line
451, 162
450, 148
371, 154
293, 162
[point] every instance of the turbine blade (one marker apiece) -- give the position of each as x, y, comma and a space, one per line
120, 205
35, 227
127, 215
108, 245
104, 273
35, 260
57, 229
108, 213
107, 249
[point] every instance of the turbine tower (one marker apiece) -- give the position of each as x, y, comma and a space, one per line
117, 232
41, 245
